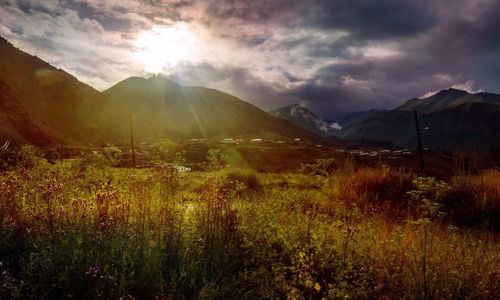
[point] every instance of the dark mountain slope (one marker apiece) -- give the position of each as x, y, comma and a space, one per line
352, 118
467, 126
160, 107
447, 99
15, 123
450, 119
380, 126
44, 105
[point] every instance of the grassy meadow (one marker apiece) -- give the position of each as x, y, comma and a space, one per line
83, 228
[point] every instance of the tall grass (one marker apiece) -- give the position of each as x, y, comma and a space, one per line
475, 199
75, 230
373, 189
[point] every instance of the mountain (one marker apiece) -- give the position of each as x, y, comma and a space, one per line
447, 99
352, 118
450, 119
45, 106
39, 103
160, 107
305, 119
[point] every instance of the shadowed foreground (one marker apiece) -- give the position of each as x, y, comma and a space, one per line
81, 229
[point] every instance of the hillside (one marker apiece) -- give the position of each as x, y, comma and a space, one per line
160, 107
450, 119
353, 117
446, 99
41, 105
45, 106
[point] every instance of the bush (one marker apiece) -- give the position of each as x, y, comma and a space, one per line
426, 197
320, 167
474, 200
112, 154
216, 159
374, 188
52, 155
92, 159
242, 182
25, 157
166, 151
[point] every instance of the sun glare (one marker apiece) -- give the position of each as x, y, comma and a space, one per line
163, 47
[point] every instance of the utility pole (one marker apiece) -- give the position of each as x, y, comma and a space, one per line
132, 139
420, 151
61, 155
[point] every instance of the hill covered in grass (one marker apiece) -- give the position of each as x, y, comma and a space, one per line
160, 107
41, 104
45, 106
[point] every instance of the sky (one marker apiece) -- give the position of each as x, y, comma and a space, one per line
331, 56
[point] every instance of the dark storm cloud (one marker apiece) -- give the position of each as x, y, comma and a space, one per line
438, 44
335, 56
362, 19
367, 19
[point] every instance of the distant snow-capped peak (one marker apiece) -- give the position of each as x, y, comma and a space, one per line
305, 118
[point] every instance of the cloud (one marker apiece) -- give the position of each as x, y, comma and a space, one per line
238, 81
469, 86
336, 56
370, 20
60, 36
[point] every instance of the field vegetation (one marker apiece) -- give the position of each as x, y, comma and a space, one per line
84, 228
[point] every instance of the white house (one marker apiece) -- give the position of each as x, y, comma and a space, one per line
183, 169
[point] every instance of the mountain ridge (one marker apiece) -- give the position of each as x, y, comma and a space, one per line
45, 106
449, 119
197, 111
306, 119
447, 98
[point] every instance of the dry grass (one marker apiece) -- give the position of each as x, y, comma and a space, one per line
373, 188
486, 186
475, 199
95, 232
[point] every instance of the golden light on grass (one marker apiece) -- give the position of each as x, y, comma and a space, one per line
164, 47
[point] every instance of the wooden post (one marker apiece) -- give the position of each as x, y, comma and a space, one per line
420, 151
62, 152
132, 139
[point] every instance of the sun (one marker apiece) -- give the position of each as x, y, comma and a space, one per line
161, 48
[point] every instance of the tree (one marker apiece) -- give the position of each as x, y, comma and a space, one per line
165, 151
216, 159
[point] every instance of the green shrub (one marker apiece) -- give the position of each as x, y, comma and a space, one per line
26, 157
240, 182
112, 155
216, 159
166, 150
